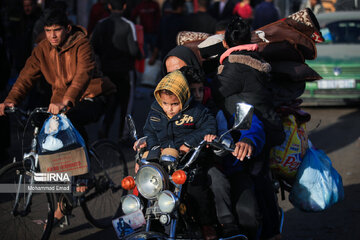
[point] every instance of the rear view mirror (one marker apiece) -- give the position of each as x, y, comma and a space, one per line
243, 116
131, 124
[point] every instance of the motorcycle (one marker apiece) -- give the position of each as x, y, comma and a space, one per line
160, 210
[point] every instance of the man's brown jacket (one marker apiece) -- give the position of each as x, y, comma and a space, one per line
70, 70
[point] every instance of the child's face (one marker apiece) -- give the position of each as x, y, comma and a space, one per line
197, 91
170, 104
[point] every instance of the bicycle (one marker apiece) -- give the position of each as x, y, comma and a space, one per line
31, 214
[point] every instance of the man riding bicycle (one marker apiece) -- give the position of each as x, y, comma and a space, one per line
65, 59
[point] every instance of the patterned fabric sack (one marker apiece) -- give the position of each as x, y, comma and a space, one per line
306, 22
187, 36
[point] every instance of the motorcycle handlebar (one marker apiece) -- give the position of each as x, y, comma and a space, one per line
220, 146
215, 144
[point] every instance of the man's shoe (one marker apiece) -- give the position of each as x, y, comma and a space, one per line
209, 232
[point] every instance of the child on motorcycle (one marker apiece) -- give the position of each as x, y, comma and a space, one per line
178, 122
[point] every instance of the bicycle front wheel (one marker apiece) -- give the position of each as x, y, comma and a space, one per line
108, 167
16, 220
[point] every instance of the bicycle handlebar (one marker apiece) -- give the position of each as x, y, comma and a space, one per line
26, 113
26, 116
35, 110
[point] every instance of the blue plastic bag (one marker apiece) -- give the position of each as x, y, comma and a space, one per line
318, 185
58, 134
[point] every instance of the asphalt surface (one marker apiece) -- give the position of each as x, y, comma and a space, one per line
334, 130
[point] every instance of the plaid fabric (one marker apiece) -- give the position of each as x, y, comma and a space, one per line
177, 84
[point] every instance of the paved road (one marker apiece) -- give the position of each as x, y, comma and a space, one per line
334, 130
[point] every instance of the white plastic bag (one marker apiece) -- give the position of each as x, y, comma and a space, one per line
151, 75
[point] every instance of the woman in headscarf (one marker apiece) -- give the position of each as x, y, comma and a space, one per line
179, 57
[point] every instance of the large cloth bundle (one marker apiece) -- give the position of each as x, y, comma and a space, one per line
286, 44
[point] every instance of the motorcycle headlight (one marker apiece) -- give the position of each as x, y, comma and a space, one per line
167, 201
149, 181
130, 203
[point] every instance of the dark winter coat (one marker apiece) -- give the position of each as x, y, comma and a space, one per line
243, 76
114, 41
187, 127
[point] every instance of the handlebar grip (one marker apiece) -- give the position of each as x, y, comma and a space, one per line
231, 148
217, 145
220, 146
10, 109
41, 109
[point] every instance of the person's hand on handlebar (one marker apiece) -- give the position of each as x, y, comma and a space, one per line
56, 108
3, 106
209, 137
137, 147
242, 150
137, 166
